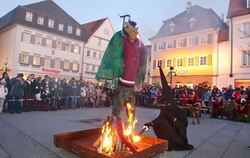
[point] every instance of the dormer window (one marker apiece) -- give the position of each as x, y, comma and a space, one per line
171, 27
60, 27
78, 32
29, 16
248, 3
40, 20
69, 29
192, 22
51, 23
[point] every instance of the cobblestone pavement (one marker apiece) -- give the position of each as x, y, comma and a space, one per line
30, 135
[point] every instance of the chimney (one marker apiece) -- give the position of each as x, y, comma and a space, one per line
188, 7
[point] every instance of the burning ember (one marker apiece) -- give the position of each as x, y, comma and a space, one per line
110, 142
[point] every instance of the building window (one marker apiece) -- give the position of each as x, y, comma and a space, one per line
100, 55
94, 54
170, 44
24, 58
192, 22
162, 46
60, 27
203, 60
88, 53
171, 27
190, 61
51, 23
87, 67
48, 43
46, 62
194, 41
77, 49
38, 40
169, 63
65, 46
179, 62
204, 39
57, 63
246, 29
26, 37
248, 3
36, 60
40, 20
159, 63
29, 16
66, 65
154, 64
78, 32
74, 67
174, 43
58, 44
93, 68
246, 58
182, 42
70, 29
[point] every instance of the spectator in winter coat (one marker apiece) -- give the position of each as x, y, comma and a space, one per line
3, 93
17, 86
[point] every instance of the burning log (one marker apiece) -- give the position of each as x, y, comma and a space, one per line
120, 138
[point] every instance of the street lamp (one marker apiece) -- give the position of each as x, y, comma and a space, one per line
171, 73
5, 67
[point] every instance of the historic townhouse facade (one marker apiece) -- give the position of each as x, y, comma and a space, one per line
41, 38
187, 43
99, 33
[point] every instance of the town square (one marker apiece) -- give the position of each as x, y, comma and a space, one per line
121, 79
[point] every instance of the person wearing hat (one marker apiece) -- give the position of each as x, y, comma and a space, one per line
3, 93
124, 63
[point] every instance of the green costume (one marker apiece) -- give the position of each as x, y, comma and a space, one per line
111, 68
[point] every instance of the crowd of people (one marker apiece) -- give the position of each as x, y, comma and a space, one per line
225, 103
47, 94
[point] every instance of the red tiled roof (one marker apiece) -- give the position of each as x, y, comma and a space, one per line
237, 8
92, 26
223, 35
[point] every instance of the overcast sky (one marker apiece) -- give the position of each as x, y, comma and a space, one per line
149, 14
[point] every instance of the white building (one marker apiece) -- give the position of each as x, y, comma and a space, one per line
234, 48
41, 38
98, 34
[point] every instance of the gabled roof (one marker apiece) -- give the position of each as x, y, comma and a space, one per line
204, 19
50, 8
91, 27
223, 35
237, 8
47, 9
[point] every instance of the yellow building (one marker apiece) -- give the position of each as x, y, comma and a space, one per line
188, 43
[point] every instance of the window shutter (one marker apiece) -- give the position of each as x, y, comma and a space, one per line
30, 59
70, 66
174, 62
184, 61
79, 51
32, 39
52, 63
41, 61
43, 41
163, 63
72, 48
154, 64
209, 59
54, 44
62, 64
196, 60
22, 37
